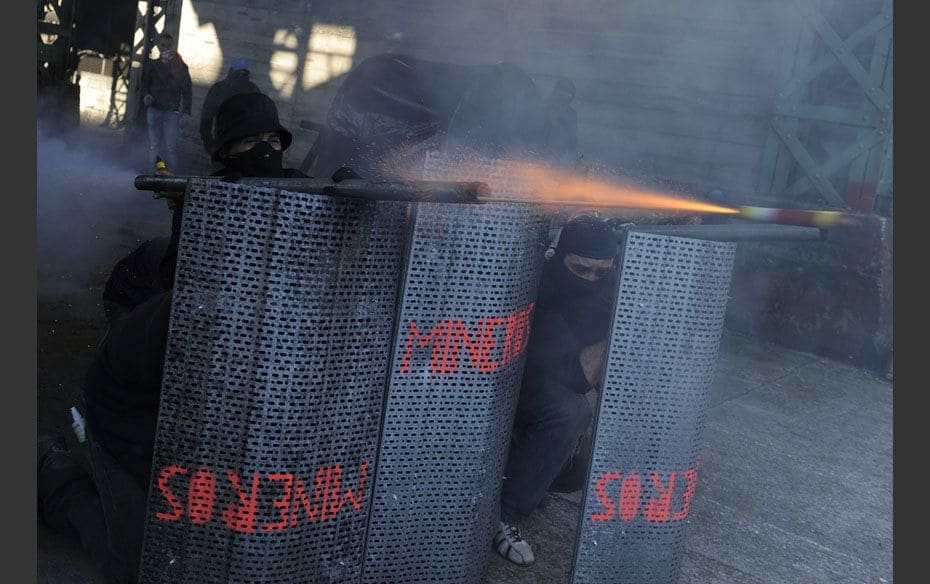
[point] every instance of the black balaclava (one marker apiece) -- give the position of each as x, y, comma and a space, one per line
261, 160
585, 236
584, 304
247, 114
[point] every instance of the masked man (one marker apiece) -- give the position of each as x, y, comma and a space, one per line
565, 360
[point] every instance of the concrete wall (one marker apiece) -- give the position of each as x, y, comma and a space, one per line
676, 92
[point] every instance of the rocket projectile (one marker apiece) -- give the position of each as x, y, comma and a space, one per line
803, 217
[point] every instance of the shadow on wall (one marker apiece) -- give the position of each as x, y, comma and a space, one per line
303, 55
297, 57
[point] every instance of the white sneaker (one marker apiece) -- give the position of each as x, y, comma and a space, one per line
508, 543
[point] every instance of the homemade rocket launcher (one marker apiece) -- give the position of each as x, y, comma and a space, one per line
436, 191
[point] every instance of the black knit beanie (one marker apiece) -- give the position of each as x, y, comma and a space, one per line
589, 237
246, 114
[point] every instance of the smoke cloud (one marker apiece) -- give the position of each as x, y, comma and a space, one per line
88, 216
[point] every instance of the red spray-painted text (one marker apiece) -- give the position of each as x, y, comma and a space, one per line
622, 496
286, 492
450, 335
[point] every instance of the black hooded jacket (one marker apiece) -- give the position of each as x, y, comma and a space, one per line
565, 321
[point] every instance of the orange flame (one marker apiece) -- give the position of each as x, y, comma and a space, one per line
531, 182
552, 186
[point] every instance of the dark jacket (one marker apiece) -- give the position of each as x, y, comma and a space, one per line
135, 278
122, 388
563, 324
218, 93
169, 83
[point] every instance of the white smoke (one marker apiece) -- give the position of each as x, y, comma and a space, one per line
88, 216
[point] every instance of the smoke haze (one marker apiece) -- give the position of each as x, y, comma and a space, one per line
88, 215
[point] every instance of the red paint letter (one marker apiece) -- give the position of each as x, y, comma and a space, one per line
507, 354
449, 358
201, 495
630, 494
414, 333
300, 498
177, 509
486, 365
356, 499
242, 517
659, 509
601, 489
480, 350
523, 330
691, 475
283, 503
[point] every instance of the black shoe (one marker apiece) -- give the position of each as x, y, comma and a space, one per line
48, 444
55, 467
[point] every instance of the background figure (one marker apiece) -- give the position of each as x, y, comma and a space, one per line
166, 90
564, 361
559, 139
237, 81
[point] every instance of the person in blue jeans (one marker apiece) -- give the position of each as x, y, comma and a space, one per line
166, 92
564, 361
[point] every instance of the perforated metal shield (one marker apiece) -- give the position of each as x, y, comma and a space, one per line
273, 390
661, 359
468, 295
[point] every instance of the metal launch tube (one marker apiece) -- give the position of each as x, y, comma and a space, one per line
415, 191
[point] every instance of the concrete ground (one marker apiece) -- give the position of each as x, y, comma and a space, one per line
795, 483
796, 469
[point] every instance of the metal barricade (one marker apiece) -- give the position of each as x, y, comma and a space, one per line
339, 387
273, 387
648, 434
468, 296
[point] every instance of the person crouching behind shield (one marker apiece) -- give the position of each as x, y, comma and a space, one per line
564, 361
106, 508
250, 143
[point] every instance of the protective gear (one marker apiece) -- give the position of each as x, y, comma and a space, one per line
247, 114
166, 55
259, 160
589, 237
570, 285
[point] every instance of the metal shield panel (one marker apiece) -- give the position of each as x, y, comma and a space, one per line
661, 359
469, 288
273, 389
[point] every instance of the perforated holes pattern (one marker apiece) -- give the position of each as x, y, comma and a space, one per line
662, 356
447, 426
276, 367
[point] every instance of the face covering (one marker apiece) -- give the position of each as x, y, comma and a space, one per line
260, 160
166, 55
565, 283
